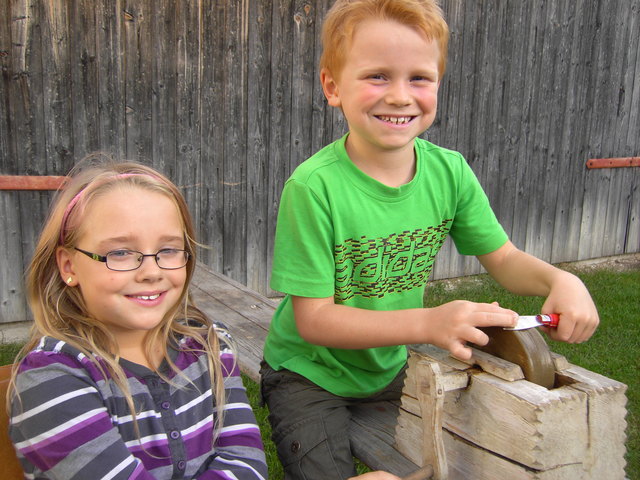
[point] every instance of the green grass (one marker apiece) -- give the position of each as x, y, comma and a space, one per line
613, 351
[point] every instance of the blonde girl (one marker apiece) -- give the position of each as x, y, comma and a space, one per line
123, 377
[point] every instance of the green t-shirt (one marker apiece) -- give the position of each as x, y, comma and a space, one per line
341, 233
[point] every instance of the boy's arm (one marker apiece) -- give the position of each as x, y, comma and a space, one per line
524, 274
450, 326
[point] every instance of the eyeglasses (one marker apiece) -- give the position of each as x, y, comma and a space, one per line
127, 260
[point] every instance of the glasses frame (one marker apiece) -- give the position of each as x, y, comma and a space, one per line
103, 258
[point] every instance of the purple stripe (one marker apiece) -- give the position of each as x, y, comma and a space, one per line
154, 459
52, 450
159, 445
199, 442
248, 437
186, 359
45, 359
140, 473
228, 368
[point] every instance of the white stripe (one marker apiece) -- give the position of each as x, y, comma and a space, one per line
239, 426
195, 427
58, 346
60, 428
147, 439
129, 418
240, 463
193, 402
52, 402
118, 468
236, 406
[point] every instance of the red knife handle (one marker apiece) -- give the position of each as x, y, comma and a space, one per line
550, 320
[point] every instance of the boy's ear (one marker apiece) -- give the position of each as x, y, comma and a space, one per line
64, 259
330, 88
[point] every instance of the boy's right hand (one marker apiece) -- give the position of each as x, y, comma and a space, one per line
452, 325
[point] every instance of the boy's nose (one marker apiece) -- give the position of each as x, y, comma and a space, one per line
398, 94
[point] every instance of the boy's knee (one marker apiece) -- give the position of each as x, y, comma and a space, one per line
316, 448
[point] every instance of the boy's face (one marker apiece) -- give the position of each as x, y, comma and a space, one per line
387, 88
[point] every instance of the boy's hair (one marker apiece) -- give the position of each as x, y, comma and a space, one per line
60, 311
344, 17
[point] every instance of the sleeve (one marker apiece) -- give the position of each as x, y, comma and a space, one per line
475, 229
60, 426
303, 258
239, 453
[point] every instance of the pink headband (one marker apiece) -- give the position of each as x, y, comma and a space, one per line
74, 200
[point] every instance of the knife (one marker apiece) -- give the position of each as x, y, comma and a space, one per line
532, 321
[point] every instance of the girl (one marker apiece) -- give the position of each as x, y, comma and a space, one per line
123, 377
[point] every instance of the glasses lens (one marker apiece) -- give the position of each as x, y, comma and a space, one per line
170, 258
123, 260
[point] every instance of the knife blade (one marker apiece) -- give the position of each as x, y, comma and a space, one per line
532, 321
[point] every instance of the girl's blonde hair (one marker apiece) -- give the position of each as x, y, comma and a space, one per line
344, 17
60, 312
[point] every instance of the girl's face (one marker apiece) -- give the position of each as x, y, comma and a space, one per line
133, 302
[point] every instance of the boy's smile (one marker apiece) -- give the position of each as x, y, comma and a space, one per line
387, 89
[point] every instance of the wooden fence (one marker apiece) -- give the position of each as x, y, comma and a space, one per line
223, 96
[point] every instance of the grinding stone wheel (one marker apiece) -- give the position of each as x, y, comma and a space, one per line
526, 348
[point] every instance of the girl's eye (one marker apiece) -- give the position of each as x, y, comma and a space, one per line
169, 252
120, 253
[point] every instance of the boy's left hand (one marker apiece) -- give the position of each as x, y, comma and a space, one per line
578, 314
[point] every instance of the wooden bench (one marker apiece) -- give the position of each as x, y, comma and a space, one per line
11, 469
247, 314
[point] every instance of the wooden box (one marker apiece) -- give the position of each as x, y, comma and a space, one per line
509, 428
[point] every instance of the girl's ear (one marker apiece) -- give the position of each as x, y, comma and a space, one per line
330, 88
66, 268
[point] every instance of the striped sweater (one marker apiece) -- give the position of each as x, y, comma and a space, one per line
71, 423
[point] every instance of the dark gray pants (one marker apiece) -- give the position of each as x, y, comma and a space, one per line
310, 426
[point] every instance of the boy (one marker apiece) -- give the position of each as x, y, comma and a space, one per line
359, 225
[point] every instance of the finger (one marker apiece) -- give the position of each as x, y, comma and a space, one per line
501, 318
458, 350
478, 337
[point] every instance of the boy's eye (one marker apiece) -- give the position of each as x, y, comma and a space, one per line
422, 79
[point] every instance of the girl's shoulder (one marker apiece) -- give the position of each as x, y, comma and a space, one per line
52, 356
219, 329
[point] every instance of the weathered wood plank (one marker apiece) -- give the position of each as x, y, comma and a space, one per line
259, 221
164, 80
110, 70
234, 166
211, 222
246, 313
84, 78
13, 306
137, 76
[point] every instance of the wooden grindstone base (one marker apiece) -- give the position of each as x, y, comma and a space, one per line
482, 420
